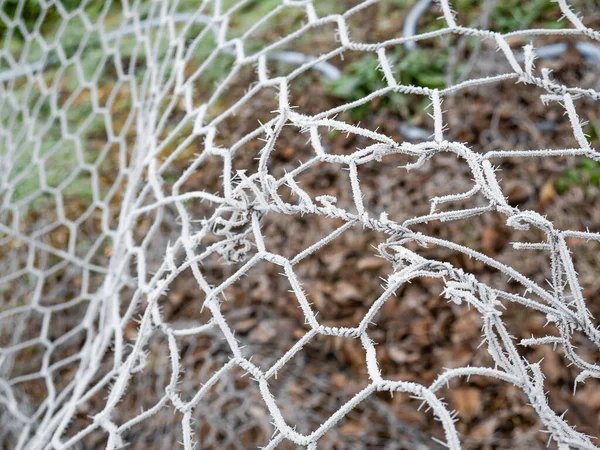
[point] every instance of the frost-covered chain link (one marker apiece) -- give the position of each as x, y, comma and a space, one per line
129, 290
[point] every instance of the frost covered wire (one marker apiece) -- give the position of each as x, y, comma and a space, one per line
124, 288
328, 70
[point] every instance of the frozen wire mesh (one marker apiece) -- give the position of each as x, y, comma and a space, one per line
82, 319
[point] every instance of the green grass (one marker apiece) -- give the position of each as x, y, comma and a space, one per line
420, 67
587, 172
517, 14
63, 160
60, 165
423, 67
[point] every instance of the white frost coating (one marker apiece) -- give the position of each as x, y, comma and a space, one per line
130, 290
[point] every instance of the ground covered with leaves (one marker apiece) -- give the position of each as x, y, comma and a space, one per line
418, 333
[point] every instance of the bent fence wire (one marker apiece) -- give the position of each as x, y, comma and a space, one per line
114, 264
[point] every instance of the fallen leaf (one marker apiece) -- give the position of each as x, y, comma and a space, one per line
344, 292
372, 262
491, 241
400, 356
547, 194
467, 402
